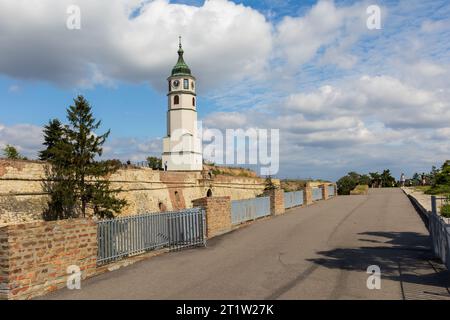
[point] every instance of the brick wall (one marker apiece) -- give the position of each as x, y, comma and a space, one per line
218, 214
34, 256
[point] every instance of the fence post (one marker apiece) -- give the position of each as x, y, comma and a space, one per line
276, 201
325, 191
217, 213
308, 194
433, 205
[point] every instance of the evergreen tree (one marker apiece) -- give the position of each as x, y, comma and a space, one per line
11, 152
53, 134
77, 182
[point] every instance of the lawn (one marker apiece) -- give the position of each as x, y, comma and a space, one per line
423, 189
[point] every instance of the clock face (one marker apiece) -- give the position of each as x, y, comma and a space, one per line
176, 83
193, 86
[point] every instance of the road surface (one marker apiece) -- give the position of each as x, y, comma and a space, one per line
318, 252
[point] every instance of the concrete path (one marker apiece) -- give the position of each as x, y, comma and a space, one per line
318, 252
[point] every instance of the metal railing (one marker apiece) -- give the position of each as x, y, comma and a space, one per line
293, 199
437, 203
330, 191
317, 193
249, 209
132, 235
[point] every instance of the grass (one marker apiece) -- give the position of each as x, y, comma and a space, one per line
438, 190
360, 189
423, 189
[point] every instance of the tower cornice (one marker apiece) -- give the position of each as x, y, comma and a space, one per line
182, 92
190, 76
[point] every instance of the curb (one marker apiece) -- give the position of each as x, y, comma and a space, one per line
423, 213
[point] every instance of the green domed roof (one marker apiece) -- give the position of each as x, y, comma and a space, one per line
181, 68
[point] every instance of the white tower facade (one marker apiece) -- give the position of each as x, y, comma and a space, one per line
182, 147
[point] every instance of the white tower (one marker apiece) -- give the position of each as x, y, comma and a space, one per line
182, 148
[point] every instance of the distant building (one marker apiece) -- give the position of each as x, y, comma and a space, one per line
182, 148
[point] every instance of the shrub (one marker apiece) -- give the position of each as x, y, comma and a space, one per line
445, 210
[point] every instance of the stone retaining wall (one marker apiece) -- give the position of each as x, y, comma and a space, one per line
22, 198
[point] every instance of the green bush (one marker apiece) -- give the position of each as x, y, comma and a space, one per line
445, 210
439, 189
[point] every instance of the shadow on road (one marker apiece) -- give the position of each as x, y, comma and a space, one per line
402, 256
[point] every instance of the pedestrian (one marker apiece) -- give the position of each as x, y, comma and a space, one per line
165, 166
402, 180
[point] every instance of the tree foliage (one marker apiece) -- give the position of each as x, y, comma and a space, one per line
348, 182
155, 163
53, 133
76, 181
374, 179
11, 152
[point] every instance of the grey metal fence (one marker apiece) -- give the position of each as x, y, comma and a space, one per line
293, 199
249, 209
439, 231
330, 191
132, 235
317, 193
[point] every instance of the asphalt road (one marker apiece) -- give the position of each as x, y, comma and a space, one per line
318, 252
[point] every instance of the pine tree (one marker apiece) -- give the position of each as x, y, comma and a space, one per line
10, 152
53, 134
78, 181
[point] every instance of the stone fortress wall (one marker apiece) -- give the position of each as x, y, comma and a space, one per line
23, 199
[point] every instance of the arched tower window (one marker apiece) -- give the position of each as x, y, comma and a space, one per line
176, 100
193, 102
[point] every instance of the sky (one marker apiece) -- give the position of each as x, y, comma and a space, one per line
345, 98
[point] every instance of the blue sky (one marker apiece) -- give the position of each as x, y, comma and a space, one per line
344, 98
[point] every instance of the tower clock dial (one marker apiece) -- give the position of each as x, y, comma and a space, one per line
176, 83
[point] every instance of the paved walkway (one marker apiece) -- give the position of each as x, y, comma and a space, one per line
318, 252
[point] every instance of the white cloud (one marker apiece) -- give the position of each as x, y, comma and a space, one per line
27, 138
324, 26
222, 41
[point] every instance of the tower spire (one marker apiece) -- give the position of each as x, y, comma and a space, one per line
181, 68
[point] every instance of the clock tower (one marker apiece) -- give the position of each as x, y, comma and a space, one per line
182, 147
